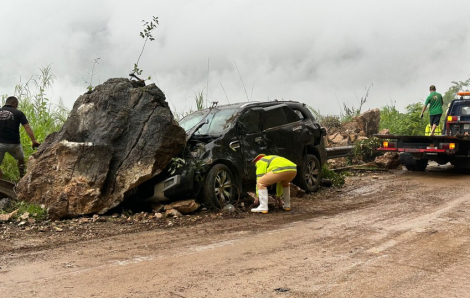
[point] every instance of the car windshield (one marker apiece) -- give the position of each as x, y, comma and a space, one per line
216, 122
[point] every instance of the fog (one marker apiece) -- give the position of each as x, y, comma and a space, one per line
322, 53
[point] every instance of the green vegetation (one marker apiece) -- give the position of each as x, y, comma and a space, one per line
330, 122
146, 35
92, 74
31, 210
349, 112
408, 123
449, 95
365, 149
337, 179
44, 117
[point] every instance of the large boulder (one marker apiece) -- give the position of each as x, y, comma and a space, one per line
369, 122
116, 137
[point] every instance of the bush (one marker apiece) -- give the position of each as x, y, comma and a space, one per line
365, 149
330, 122
37, 212
408, 123
337, 179
44, 117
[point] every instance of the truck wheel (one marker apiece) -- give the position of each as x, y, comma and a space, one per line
219, 188
309, 174
419, 166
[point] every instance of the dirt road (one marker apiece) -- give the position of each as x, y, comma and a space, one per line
393, 234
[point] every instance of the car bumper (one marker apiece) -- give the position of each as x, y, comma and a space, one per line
175, 187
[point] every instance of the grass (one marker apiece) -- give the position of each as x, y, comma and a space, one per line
39, 213
337, 178
43, 116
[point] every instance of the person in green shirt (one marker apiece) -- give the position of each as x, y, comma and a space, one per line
435, 103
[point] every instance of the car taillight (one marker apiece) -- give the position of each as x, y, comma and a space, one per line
453, 118
387, 144
447, 146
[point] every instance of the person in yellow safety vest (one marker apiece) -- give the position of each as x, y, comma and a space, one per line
437, 131
272, 169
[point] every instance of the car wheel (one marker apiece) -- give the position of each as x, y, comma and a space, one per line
219, 187
309, 174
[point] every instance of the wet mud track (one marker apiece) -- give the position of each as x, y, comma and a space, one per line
385, 234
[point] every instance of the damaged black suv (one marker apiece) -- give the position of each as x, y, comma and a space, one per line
215, 165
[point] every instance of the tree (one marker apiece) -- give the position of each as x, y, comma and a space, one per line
456, 87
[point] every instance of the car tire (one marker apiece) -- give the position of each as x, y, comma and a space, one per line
309, 174
219, 187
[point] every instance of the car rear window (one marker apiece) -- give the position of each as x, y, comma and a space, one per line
460, 109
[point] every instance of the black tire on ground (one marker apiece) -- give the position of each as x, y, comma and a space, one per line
219, 187
420, 165
309, 174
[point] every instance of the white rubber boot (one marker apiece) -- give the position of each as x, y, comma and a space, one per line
286, 195
263, 201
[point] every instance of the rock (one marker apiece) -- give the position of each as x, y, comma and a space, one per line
384, 131
361, 138
295, 191
327, 182
116, 137
8, 216
157, 207
228, 208
336, 138
251, 197
369, 122
5, 203
24, 216
351, 126
173, 213
353, 137
390, 160
184, 207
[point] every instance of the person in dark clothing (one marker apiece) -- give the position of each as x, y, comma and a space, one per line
10, 120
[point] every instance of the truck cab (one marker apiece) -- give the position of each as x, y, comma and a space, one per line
457, 122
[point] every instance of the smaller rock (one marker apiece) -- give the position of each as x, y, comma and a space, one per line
183, 207
5, 203
390, 160
24, 216
384, 131
296, 191
157, 207
229, 208
7, 217
173, 213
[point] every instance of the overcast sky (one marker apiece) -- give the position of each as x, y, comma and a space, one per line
323, 53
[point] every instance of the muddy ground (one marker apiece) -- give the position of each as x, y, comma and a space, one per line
384, 234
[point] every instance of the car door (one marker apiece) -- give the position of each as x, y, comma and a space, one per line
275, 131
251, 140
